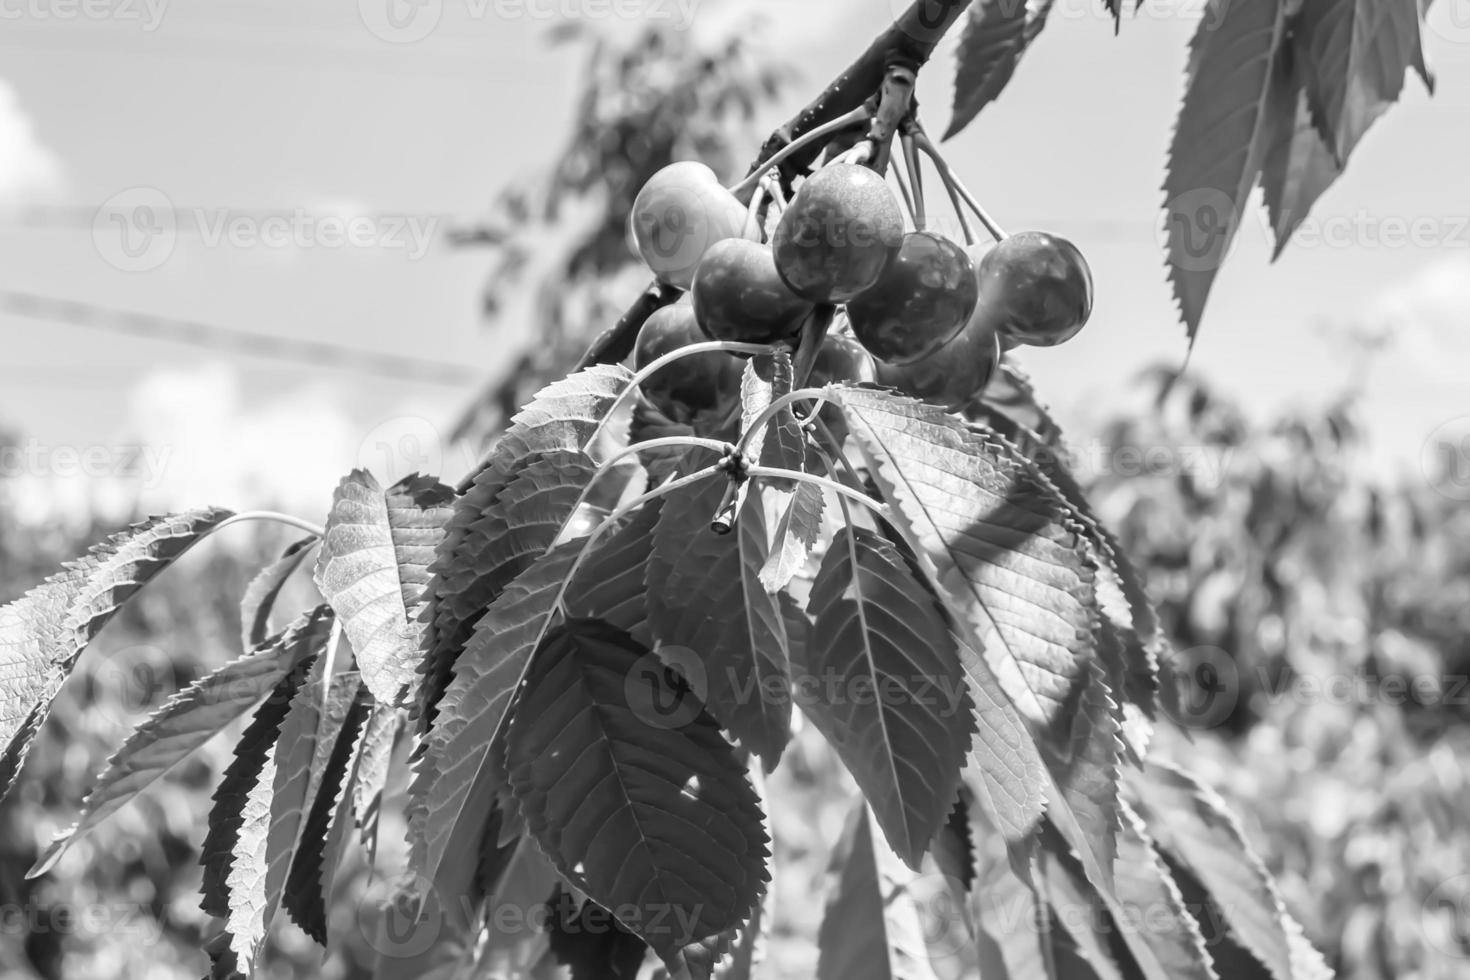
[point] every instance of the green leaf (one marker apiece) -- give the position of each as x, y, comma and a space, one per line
1157, 915
893, 700
645, 818
1191, 825
610, 584
1299, 165
996, 35
261, 594
189, 719
710, 614
252, 754
455, 781
796, 531
373, 568
1004, 548
273, 814
872, 928
1219, 142
1354, 56
308, 888
1087, 775
43, 632
374, 754
563, 417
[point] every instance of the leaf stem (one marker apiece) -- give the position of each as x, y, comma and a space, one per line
844, 121
955, 185
841, 489
774, 409
704, 347
269, 515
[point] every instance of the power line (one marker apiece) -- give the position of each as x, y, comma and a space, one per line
315, 353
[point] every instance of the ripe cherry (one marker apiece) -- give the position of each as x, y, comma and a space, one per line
678, 215
692, 385
962, 366
920, 302
1041, 286
841, 359
839, 233
739, 296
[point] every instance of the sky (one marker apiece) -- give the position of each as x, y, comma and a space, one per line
199, 117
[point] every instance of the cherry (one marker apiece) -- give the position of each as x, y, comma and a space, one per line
1041, 286
963, 365
839, 233
922, 300
841, 359
739, 296
678, 215
692, 385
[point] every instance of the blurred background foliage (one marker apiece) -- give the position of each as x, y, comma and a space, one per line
1320, 613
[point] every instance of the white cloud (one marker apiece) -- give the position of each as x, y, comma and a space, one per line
27, 168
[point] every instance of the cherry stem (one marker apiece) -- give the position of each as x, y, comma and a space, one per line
270, 515
668, 442
730, 506
617, 514
903, 190
824, 131
959, 212
753, 212
773, 190
957, 186
703, 347
841, 489
834, 451
916, 176
819, 395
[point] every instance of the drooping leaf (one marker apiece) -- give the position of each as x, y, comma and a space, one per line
996, 35
1191, 825
261, 594
1077, 913
1157, 912
1003, 545
374, 755
272, 816
1087, 774
590, 942
1219, 142
610, 585
373, 568
641, 816
457, 783
1122, 597
900, 715
796, 531
1299, 165
872, 928
1354, 55
709, 612
188, 720
235, 855
780, 443
44, 631
563, 417
308, 889
1013, 925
